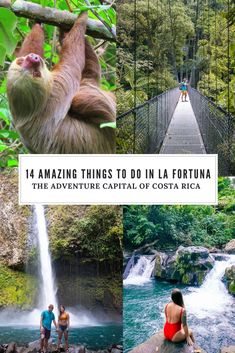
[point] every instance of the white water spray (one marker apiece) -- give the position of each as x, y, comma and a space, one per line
48, 295
212, 297
78, 317
140, 273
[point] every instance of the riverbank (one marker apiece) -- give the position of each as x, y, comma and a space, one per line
34, 347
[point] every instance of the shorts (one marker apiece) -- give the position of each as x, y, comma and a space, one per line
46, 333
184, 93
63, 328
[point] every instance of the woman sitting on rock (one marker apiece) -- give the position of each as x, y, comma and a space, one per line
176, 328
63, 328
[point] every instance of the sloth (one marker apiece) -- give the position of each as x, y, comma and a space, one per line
60, 111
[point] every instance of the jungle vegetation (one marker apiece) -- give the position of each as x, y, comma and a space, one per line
171, 226
175, 39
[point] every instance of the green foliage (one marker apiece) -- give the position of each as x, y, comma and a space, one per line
13, 30
172, 226
96, 234
174, 39
157, 46
215, 56
7, 40
17, 288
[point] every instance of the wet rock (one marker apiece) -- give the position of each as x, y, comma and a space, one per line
157, 343
230, 279
80, 349
214, 250
34, 347
230, 247
220, 257
229, 349
11, 348
13, 224
20, 350
188, 265
116, 349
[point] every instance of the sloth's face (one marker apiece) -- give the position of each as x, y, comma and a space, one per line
28, 85
28, 72
32, 64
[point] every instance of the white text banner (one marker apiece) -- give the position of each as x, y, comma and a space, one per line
117, 179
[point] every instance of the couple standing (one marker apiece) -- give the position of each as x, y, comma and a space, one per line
47, 317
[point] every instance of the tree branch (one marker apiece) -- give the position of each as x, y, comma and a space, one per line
59, 18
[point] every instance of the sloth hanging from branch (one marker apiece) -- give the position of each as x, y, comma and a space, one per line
60, 111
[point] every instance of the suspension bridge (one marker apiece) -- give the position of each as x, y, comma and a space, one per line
166, 125
163, 124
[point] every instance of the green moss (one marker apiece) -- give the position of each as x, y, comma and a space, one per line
17, 288
231, 288
200, 277
158, 267
85, 231
186, 279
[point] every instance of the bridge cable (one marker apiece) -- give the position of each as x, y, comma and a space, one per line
209, 48
228, 53
204, 48
165, 67
148, 58
135, 72
216, 56
157, 30
172, 39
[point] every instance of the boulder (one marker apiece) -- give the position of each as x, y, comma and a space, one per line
230, 279
214, 250
80, 349
11, 348
229, 349
230, 247
158, 344
116, 349
188, 265
220, 257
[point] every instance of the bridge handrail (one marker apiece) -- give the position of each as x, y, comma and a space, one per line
213, 103
121, 116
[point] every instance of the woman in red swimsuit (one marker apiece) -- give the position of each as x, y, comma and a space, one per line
176, 328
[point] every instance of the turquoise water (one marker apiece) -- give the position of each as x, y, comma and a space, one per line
99, 337
144, 314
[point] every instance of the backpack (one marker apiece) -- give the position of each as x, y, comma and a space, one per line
182, 85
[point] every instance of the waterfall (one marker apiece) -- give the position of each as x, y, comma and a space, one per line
78, 316
212, 297
129, 265
48, 291
141, 272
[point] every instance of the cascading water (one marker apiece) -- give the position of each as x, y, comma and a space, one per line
48, 290
141, 272
48, 295
210, 309
22, 326
212, 297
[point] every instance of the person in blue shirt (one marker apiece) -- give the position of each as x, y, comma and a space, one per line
47, 317
184, 90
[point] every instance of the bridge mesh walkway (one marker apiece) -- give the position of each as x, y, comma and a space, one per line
183, 135
196, 127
